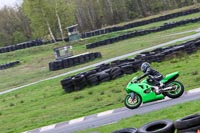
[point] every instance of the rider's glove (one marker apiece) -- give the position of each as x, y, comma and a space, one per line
135, 81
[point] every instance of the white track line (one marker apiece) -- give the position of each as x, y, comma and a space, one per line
105, 113
194, 91
76, 120
47, 127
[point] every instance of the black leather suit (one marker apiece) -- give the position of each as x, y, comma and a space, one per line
153, 75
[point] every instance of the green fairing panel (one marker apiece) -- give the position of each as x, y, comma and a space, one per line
169, 76
140, 89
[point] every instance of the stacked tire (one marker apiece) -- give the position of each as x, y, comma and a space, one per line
102, 73
136, 33
9, 65
116, 72
117, 68
103, 76
136, 24
159, 126
24, 45
187, 124
73, 61
127, 69
67, 85
126, 130
56, 65
190, 123
79, 82
93, 79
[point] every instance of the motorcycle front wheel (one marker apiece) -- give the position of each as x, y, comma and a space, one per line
133, 103
177, 92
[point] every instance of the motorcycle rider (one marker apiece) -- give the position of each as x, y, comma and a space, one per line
154, 76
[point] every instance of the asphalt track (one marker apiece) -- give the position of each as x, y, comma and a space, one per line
112, 116
107, 61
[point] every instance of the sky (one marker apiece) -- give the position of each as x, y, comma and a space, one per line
9, 3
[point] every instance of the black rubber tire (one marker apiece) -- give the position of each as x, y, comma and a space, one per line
102, 67
127, 69
91, 56
126, 130
189, 130
102, 76
67, 85
116, 72
179, 93
66, 81
160, 126
68, 90
79, 82
88, 73
188, 121
82, 59
97, 55
105, 79
92, 79
86, 58
116, 75
66, 63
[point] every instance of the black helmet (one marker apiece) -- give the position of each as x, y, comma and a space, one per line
144, 66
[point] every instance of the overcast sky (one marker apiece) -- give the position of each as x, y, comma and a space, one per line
9, 2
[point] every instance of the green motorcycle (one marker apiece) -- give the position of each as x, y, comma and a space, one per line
143, 92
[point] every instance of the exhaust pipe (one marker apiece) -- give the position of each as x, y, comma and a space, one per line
168, 88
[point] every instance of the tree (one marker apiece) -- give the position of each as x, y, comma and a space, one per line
14, 27
48, 16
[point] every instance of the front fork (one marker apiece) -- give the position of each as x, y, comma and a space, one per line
132, 95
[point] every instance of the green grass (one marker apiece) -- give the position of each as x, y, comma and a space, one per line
45, 103
34, 61
136, 121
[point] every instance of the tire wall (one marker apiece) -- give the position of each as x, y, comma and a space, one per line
187, 124
117, 68
9, 65
73, 61
139, 23
136, 33
28, 44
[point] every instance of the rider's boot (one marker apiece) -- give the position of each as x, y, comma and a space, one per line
156, 89
162, 85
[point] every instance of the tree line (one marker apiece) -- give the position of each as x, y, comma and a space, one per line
47, 19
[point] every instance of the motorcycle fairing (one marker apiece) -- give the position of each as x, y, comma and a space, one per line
144, 90
170, 77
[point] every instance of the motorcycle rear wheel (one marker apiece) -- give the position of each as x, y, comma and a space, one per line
133, 103
177, 92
